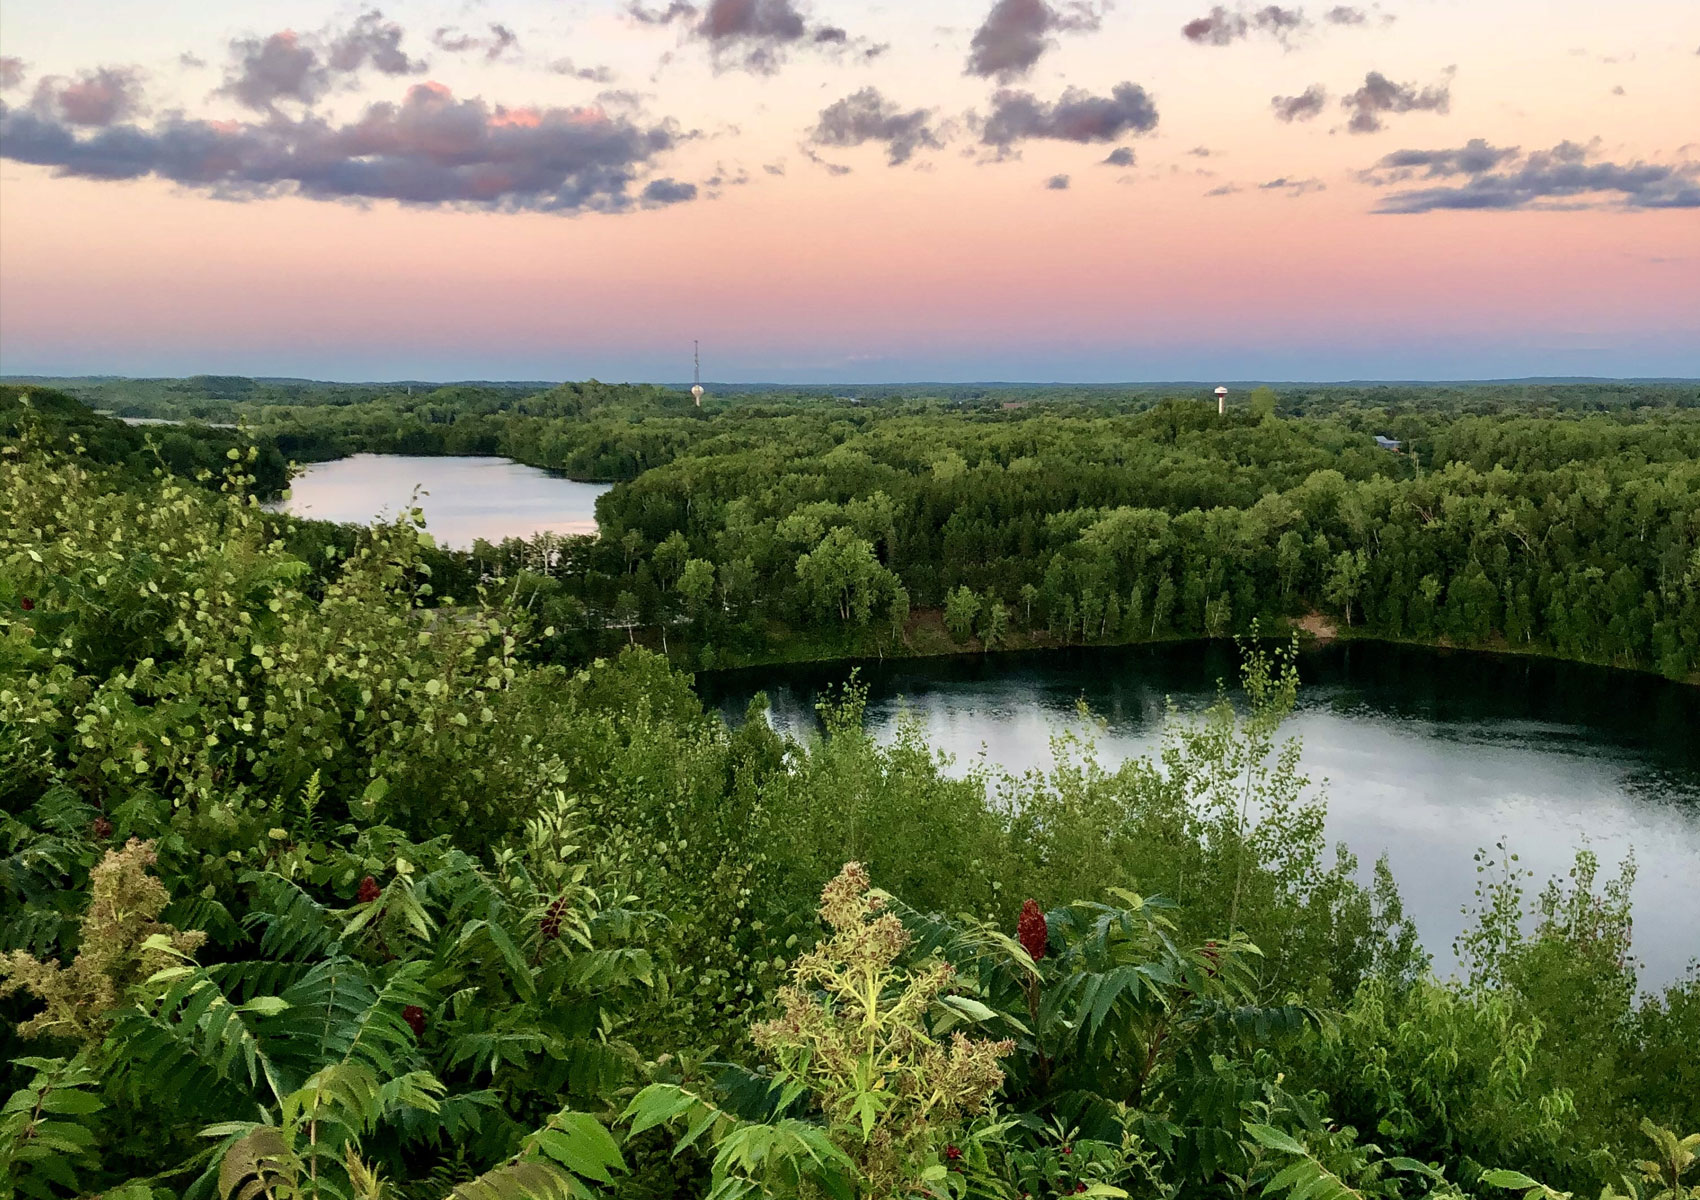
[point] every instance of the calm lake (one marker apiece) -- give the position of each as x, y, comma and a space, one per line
1425, 755
463, 498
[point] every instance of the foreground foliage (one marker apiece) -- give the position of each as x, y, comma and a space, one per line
314, 886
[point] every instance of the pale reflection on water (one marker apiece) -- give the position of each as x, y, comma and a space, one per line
1425, 756
464, 498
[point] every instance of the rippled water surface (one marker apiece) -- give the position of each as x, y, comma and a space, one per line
1425, 755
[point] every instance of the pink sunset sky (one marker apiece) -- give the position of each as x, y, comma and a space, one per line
820, 191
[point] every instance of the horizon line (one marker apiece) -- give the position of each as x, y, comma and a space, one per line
1569, 380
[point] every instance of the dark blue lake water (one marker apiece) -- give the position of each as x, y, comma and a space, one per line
1425, 755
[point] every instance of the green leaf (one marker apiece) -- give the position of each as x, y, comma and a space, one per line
1275, 1139
1499, 1177
969, 1007
657, 1104
374, 793
71, 1103
1291, 1176
579, 1142
1398, 1163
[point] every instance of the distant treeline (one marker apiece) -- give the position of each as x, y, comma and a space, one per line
1553, 518
608, 432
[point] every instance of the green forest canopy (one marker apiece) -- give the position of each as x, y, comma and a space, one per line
1557, 519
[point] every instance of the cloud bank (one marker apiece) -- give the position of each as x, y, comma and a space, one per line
1479, 176
431, 150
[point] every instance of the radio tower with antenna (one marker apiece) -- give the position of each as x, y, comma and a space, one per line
696, 372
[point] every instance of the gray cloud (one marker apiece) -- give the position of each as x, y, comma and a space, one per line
492, 46
430, 150
867, 116
660, 192
566, 66
279, 67
1226, 189
1121, 156
678, 10
1302, 107
1279, 22
11, 72
94, 98
447, 37
1078, 116
749, 35
723, 178
1380, 96
1057, 183
1014, 34
832, 168
1568, 176
290, 66
755, 20
1472, 158
1293, 187
371, 39
502, 39
1220, 27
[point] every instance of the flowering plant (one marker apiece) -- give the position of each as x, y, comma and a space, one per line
853, 1028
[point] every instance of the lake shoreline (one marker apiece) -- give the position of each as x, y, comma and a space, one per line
1424, 755
1307, 640
925, 636
465, 498
300, 465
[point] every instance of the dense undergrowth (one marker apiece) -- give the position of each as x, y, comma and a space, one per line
316, 884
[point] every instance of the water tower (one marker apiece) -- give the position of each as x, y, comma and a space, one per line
1221, 401
696, 372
